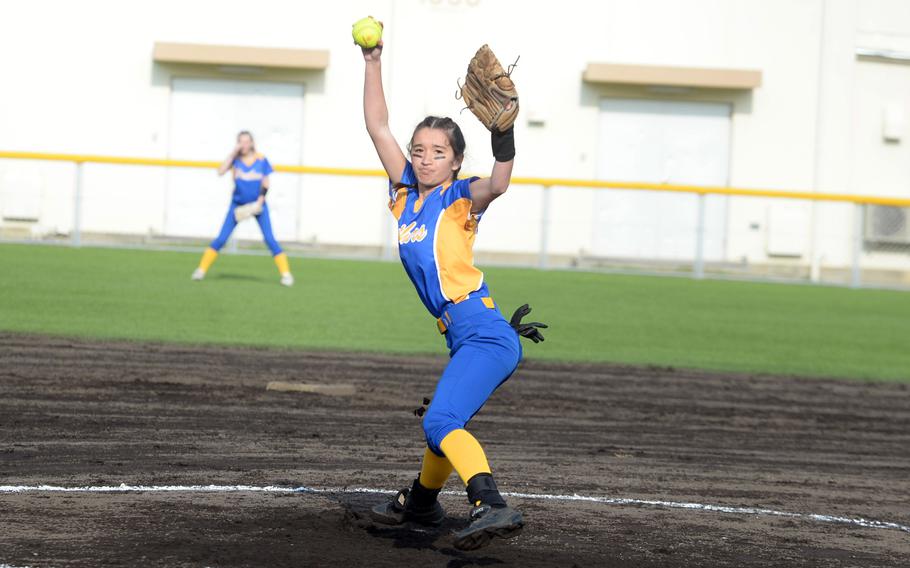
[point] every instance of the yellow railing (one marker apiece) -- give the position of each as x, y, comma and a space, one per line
546, 182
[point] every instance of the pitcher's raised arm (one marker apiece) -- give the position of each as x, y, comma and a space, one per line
376, 115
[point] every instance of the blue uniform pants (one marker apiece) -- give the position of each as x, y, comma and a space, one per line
265, 225
484, 351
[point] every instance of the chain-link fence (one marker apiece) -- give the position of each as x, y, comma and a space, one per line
547, 223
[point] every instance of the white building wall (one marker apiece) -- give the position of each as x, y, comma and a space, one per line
84, 82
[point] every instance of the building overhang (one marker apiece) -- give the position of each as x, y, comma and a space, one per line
241, 56
670, 76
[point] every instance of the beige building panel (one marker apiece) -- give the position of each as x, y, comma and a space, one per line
241, 55
697, 77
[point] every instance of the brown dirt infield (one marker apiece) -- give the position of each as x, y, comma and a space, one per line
79, 412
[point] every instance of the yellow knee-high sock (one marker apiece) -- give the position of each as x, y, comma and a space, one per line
208, 257
465, 454
281, 261
435, 470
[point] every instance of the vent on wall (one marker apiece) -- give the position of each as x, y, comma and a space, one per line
887, 225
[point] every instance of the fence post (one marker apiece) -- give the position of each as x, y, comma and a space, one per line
699, 266
298, 204
544, 252
815, 264
856, 277
76, 236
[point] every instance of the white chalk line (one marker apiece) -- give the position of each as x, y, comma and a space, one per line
758, 511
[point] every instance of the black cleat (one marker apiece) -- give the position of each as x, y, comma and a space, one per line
403, 509
488, 522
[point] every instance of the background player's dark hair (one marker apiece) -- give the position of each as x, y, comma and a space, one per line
250, 134
453, 132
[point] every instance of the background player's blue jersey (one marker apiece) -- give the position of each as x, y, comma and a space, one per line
248, 178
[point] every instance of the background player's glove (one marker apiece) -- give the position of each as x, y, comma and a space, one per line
489, 92
244, 212
529, 330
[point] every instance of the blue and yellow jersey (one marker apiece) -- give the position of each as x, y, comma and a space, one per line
248, 178
436, 241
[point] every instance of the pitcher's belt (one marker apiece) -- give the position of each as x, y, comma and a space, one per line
465, 308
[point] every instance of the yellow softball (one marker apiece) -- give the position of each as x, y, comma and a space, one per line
367, 32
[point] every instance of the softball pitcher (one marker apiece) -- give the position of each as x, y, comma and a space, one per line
251, 183
437, 216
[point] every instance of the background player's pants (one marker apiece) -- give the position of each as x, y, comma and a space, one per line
485, 352
265, 224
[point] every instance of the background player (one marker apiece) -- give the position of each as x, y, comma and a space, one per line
437, 215
250, 170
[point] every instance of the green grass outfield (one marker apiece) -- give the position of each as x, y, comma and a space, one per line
371, 306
